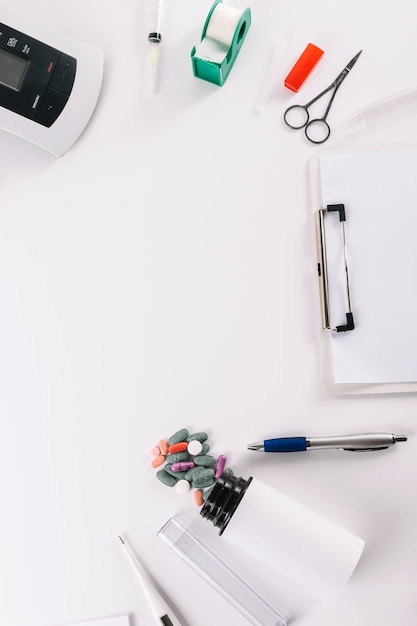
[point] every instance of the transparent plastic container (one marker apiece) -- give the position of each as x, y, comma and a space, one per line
219, 575
381, 110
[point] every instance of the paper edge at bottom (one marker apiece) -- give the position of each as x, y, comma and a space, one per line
117, 620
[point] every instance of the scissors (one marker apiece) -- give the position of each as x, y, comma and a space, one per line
317, 130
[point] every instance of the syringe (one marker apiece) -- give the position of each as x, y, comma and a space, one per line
155, 38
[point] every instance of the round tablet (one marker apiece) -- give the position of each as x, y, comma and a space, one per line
194, 447
183, 486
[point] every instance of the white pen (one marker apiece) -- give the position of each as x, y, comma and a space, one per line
164, 615
356, 443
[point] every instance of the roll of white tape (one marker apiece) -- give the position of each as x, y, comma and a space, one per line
223, 35
222, 24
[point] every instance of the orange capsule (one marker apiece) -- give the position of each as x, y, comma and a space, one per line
163, 446
158, 460
198, 497
177, 447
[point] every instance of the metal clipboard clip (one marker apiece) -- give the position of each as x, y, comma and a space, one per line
323, 270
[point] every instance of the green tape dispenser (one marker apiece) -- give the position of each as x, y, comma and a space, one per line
223, 34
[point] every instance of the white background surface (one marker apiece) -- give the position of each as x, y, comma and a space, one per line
162, 275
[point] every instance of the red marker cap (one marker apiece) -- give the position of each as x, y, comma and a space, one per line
303, 67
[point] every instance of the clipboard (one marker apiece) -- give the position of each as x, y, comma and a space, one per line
365, 221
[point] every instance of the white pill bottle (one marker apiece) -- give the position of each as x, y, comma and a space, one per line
284, 534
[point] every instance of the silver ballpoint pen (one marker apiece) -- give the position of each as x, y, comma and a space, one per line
355, 443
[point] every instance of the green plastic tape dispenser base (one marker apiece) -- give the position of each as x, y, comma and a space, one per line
223, 35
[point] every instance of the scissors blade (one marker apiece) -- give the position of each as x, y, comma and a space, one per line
353, 61
346, 69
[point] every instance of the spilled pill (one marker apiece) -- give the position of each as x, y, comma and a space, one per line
220, 465
163, 446
178, 447
188, 464
177, 457
182, 466
204, 479
194, 471
180, 435
183, 486
166, 478
204, 459
177, 475
201, 484
197, 437
194, 447
158, 460
198, 497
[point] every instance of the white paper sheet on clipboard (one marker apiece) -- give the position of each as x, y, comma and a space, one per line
379, 192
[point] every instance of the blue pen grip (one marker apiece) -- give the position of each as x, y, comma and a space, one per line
286, 444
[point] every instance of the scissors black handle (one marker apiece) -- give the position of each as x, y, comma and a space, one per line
317, 131
297, 116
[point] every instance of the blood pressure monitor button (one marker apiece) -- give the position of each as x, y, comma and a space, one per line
50, 106
63, 76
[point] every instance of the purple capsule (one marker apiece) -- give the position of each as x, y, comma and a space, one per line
220, 465
182, 466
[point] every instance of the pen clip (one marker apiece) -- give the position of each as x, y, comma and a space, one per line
366, 449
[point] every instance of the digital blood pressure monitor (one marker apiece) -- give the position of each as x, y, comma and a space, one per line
49, 83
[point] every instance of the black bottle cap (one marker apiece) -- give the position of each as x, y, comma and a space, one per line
224, 500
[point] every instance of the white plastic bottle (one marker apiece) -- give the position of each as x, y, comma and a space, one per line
282, 533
